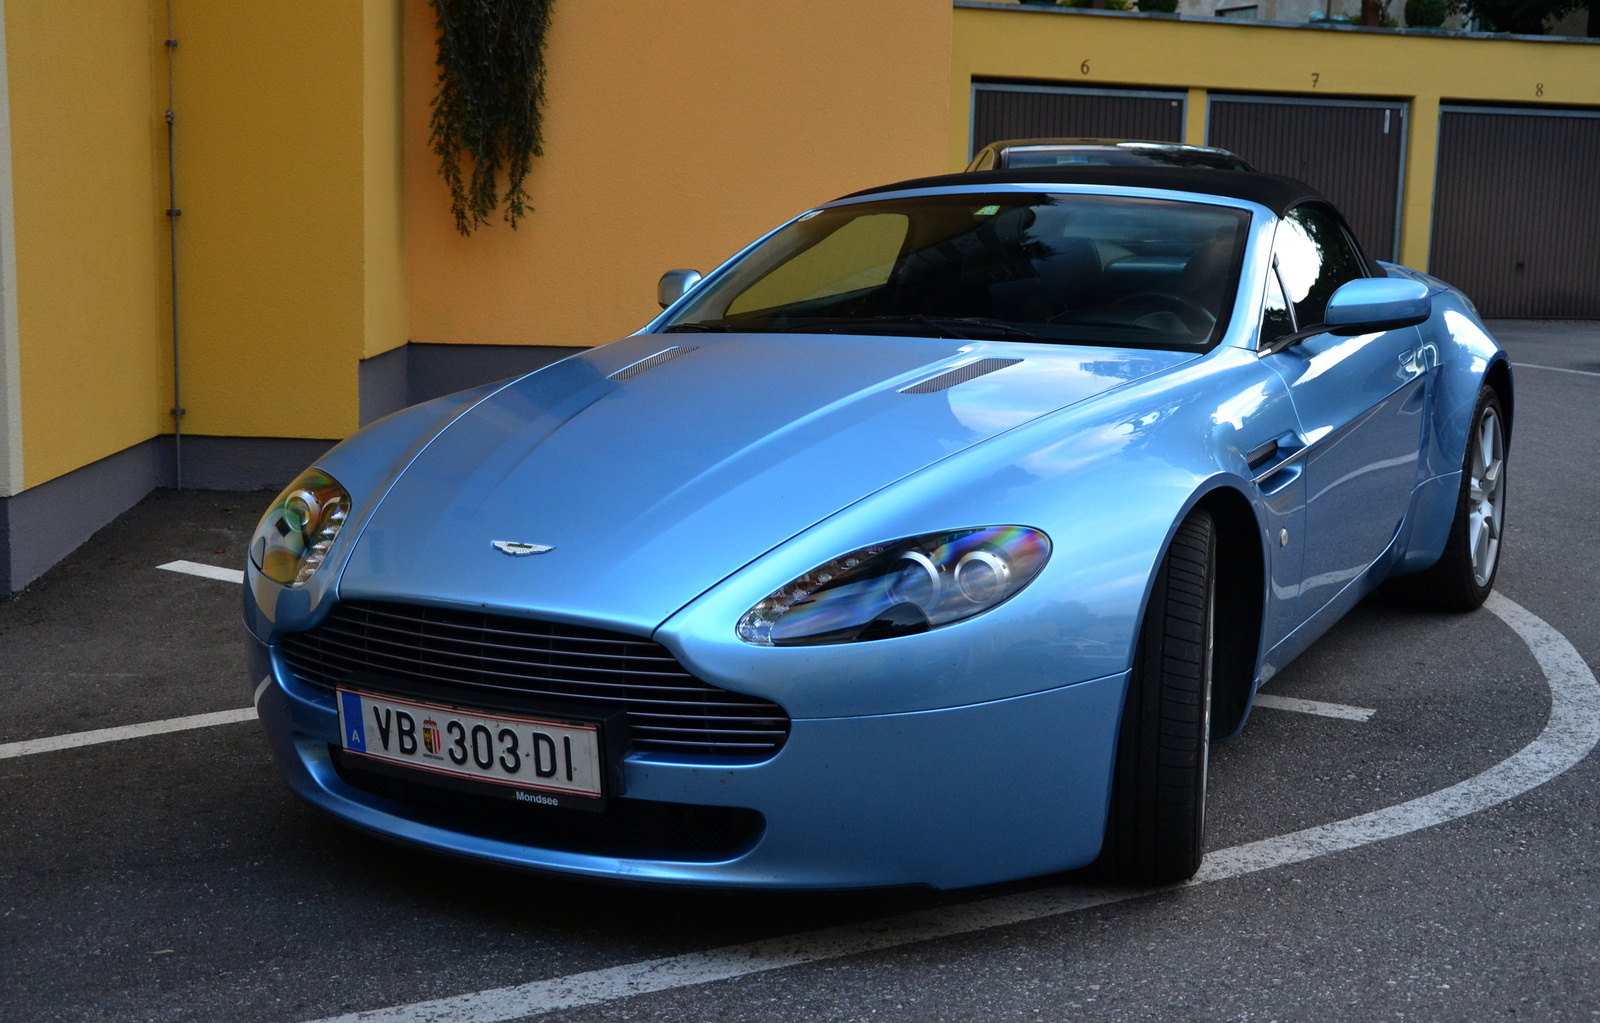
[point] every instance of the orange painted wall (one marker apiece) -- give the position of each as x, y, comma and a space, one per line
675, 132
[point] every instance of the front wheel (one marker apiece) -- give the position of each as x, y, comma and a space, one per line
1464, 574
1155, 833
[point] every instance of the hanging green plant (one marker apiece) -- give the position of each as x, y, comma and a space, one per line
487, 110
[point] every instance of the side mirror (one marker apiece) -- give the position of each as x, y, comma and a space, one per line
1377, 303
675, 284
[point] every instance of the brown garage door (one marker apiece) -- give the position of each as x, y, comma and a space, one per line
1041, 111
1352, 151
1516, 210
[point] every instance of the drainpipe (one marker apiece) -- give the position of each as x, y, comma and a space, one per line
173, 213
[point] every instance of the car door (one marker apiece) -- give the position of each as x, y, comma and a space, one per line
1278, 471
1359, 401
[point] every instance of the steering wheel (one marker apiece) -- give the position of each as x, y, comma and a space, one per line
1196, 317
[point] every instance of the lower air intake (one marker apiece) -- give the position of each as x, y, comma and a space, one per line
637, 828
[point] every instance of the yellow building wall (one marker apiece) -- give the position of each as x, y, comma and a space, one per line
88, 230
675, 133
385, 303
316, 230
271, 278
290, 260
1056, 47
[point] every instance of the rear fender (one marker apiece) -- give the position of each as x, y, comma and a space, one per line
1464, 358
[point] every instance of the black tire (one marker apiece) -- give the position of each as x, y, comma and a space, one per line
1155, 833
1455, 582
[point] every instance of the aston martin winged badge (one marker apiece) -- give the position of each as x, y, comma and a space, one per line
517, 549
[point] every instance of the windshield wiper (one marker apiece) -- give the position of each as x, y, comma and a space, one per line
943, 326
960, 328
698, 328
983, 323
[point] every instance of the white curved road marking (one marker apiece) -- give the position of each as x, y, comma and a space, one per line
223, 575
1569, 735
50, 744
1327, 710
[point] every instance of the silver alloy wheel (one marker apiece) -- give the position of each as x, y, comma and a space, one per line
1486, 496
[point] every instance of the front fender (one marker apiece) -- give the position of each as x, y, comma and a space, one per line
1108, 481
366, 463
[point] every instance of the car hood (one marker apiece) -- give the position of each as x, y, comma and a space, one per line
651, 481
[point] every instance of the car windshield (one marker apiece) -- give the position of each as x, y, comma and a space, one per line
1065, 269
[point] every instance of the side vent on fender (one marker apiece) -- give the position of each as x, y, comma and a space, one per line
959, 375
649, 362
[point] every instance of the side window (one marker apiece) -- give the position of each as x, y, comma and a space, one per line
1275, 319
1314, 258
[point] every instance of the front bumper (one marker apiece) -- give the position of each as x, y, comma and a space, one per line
949, 798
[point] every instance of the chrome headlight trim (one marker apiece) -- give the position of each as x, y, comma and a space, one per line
294, 536
899, 588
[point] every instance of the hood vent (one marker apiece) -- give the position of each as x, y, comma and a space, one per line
959, 375
633, 369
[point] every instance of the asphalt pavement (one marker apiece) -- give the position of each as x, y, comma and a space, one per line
175, 877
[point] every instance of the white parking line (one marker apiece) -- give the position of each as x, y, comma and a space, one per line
1556, 369
225, 575
227, 717
1569, 735
1327, 710
50, 744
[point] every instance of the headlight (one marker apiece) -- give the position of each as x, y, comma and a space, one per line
296, 532
899, 588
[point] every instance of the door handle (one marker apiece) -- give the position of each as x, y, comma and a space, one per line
1414, 361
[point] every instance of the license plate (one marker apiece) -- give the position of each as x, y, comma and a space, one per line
530, 755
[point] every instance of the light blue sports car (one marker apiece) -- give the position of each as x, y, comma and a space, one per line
929, 540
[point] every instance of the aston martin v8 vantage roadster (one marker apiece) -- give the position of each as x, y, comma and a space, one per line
931, 539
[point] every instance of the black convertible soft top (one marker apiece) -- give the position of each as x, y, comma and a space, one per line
1276, 193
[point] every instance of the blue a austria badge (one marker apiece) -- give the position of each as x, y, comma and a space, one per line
355, 736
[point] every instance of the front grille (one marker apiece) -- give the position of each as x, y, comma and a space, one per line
627, 827
479, 655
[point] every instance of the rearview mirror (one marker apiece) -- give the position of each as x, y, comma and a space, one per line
1377, 303
675, 284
